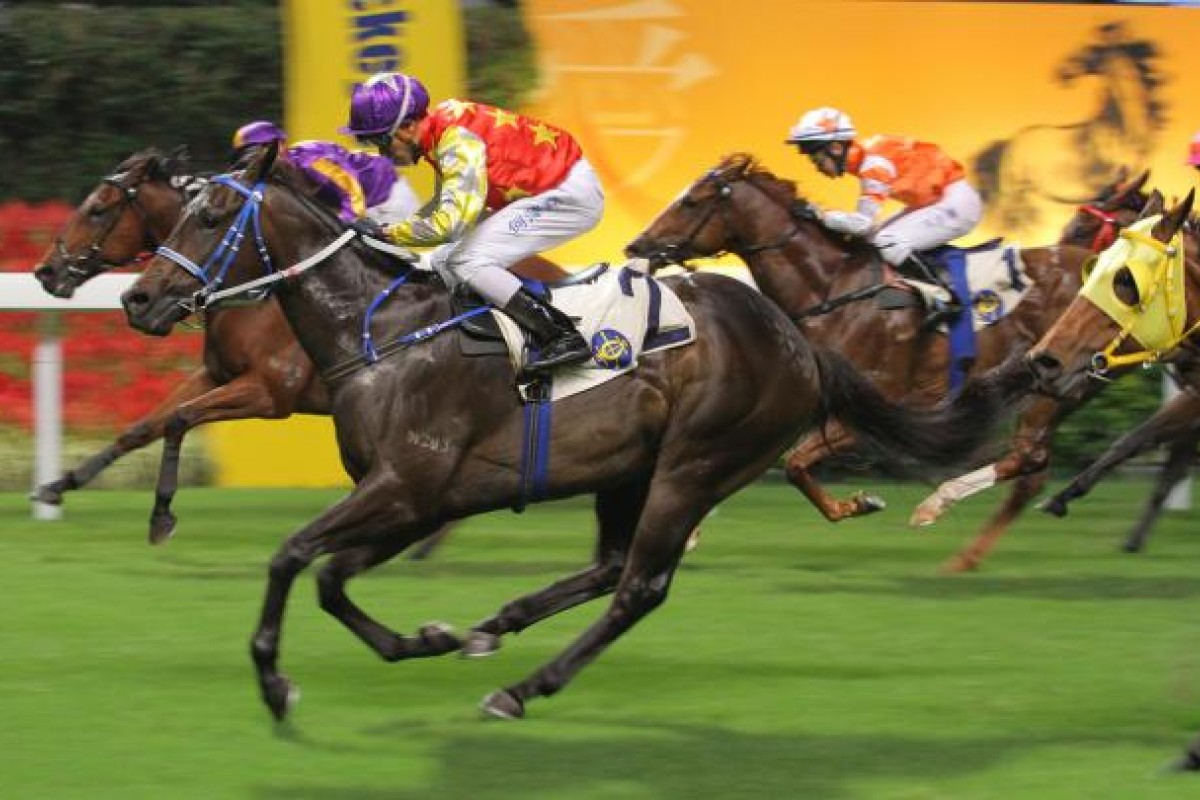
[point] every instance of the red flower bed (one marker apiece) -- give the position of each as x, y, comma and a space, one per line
113, 375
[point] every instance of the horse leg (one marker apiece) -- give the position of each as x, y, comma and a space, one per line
1158, 429
1025, 488
141, 433
657, 548
245, 397
816, 447
366, 519
431, 640
1179, 463
433, 541
617, 512
1029, 454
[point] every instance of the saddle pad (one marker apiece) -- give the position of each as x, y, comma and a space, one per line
998, 283
623, 313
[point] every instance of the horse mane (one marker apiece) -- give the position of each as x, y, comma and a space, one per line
787, 193
304, 188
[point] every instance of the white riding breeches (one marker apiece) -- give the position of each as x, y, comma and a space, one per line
525, 228
914, 230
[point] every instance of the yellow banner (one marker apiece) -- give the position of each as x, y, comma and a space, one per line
328, 47
1040, 102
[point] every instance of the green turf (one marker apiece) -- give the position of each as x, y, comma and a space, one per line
793, 659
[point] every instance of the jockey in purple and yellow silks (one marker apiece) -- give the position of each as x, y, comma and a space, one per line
355, 182
509, 187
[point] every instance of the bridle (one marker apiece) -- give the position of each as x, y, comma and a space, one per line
1107, 234
683, 250
84, 265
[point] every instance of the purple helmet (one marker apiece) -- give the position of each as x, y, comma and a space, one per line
257, 132
384, 102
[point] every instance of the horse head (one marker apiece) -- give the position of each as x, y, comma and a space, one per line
1134, 306
1118, 204
128, 212
204, 251
735, 207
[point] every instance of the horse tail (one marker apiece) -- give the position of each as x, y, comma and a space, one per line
986, 168
910, 436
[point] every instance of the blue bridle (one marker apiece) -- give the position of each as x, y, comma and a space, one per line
222, 258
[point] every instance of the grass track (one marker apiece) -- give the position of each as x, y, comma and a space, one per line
793, 659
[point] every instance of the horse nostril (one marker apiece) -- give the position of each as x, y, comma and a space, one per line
635, 249
1045, 365
135, 300
43, 272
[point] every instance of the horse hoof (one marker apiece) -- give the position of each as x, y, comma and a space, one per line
868, 504
959, 564
439, 638
1055, 506
1189, 762
925, 515
502, 705
480, 644
1132, 547
162, 527
47, 494
280, 695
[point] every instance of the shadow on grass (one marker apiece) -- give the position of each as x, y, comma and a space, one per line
505, 761
1083, 588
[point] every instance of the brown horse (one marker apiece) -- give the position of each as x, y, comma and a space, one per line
1175, 425
1141, 304
825, 281
253, 367
430, 436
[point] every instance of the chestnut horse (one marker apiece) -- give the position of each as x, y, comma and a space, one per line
253, 367
1140, 304
659, 447
825, 281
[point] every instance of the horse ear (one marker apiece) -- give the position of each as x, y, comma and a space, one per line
1174, 219
1137, 183
1153, 206
180, 157
261, 163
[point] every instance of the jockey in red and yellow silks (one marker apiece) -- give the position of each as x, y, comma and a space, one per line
508, 187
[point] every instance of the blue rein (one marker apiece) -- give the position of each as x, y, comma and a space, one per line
223, 256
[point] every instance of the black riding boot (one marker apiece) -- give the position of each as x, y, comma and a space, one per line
553, 334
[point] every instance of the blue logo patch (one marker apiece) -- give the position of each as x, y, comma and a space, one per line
988, 306
611, 349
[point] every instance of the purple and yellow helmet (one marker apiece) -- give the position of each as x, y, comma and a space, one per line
257, 132
384, 102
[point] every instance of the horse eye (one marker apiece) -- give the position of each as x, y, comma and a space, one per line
207, 218
96, 212
1125, 287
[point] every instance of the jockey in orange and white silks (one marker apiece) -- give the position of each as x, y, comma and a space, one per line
939, 203
509, 187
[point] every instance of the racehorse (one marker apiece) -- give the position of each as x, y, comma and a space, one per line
1140, 304
1084, 329
429, 436
823, 281
1040, 171
253, 367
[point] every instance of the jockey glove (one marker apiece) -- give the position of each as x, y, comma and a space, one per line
367, 227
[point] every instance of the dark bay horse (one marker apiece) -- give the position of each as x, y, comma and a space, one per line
253, 367
429, 436
738, 207
1140, 304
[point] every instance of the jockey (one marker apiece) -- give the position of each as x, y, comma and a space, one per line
508, 187
354, 182
939, 203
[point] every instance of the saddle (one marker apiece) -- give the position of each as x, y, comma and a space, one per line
480, 333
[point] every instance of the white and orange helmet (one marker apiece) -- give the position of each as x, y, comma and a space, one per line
822, 125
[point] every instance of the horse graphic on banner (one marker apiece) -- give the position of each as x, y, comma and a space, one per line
1037, 176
